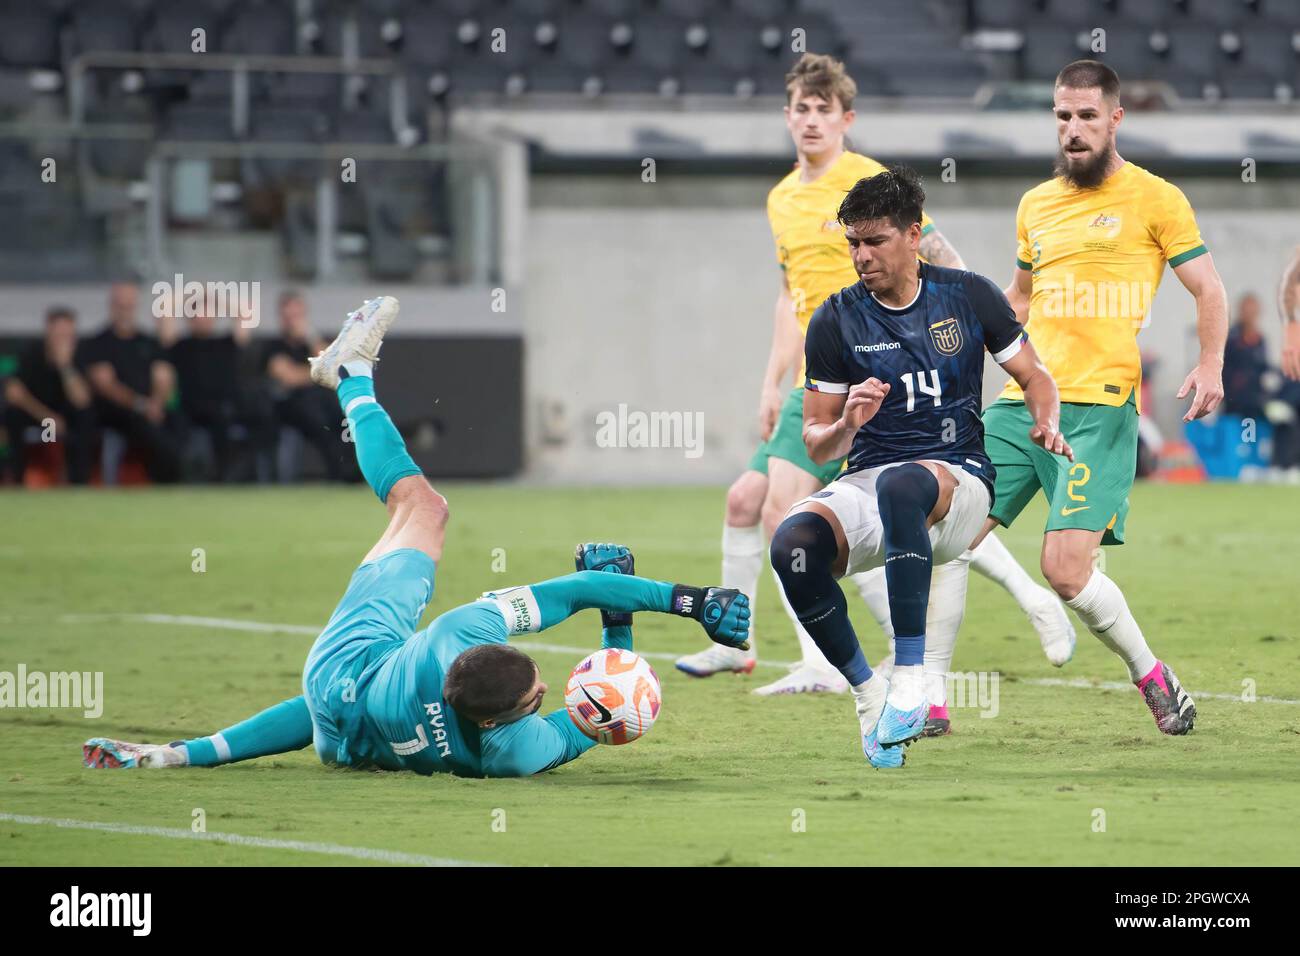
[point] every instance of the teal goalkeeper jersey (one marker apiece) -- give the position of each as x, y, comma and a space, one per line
404, 723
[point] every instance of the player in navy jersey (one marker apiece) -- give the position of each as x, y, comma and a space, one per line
895, 372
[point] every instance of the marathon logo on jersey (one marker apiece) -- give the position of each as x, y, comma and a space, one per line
436, 722
946, 336
75, 909
878, 347
518, 608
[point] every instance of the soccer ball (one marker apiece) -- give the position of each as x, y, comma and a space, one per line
613, 696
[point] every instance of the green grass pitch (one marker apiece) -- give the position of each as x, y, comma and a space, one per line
1061, 774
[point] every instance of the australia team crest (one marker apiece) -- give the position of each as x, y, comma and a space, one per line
946, 336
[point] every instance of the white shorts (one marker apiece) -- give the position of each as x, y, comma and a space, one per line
852, 499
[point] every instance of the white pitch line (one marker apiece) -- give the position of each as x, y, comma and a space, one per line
233, 624
1117, 685
223, 623
238, 839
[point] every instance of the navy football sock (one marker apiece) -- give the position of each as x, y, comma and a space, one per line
906, 495
803, 556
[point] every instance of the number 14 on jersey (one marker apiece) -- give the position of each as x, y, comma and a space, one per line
927, 383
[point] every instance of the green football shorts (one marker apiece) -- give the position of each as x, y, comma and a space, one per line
1090, 493
787, 444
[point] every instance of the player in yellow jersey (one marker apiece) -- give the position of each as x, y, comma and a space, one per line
1093, 244
815, 263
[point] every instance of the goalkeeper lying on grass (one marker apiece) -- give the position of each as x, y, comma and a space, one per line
454, 697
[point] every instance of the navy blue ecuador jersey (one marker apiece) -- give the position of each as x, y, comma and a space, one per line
930, 353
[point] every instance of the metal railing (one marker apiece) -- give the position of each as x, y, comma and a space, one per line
481, 171
240, 66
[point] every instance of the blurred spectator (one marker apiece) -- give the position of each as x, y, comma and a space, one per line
1245, 360
1288, 304
133, 384
1283, 410
1253, 388
300, 403
216, 400
48, 390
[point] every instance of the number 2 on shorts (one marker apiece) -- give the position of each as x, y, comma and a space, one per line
1078, 482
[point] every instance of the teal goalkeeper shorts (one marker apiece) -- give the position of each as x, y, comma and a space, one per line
379, 611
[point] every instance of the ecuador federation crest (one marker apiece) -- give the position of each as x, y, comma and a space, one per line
946, 336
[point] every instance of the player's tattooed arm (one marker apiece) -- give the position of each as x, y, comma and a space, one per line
938, 251
1201, 279
1288, 302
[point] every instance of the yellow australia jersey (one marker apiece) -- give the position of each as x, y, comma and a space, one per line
1097, 257
810, 243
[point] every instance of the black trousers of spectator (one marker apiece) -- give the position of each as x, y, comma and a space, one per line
1286, 437
315, 413
1286, 446
77, 439
220, 419
161, 443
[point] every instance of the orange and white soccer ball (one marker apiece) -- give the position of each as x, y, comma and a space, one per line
613, 696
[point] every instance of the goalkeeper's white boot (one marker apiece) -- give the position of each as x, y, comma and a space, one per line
806, 679
358, 341
104, 753
717, 660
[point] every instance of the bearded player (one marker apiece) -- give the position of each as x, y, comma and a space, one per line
815, 263
454, 697
1092, 247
